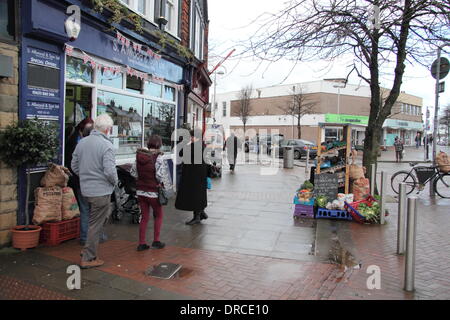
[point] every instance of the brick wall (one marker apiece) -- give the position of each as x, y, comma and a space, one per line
8, 176
185, 22
325, 103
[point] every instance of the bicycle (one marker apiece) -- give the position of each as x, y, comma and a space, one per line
419, 176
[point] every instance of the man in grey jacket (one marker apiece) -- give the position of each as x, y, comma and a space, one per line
94, 162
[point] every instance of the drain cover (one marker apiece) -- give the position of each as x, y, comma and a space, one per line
164, 270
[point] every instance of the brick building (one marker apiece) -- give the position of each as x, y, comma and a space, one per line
334, 102
8, 112
148, 72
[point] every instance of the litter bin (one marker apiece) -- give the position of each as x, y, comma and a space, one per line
288, 157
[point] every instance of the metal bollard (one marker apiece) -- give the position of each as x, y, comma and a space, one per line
373, 179
383, 195
401, 218
410, 258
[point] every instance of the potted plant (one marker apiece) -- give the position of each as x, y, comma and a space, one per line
27, 144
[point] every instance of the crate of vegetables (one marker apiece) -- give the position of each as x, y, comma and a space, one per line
365, 211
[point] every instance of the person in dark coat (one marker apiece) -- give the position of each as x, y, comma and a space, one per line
231, 144
83, 129
191, 195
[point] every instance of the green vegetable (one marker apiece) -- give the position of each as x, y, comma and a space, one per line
321, 201
307, 185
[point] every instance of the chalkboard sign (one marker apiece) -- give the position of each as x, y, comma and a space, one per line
326, 184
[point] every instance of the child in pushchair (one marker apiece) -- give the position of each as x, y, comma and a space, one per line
125, 198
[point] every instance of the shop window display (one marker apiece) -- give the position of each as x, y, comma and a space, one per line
153, 89
78, 71
126, 111
159, 118
169, 93
110, 79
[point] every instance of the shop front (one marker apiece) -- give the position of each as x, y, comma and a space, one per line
103, 71
336, 133
405, 130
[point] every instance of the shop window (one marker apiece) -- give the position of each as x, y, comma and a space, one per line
7, 20
110, 79
169, 93
159, 118
134, 84
78, 71
153, 89
126, 111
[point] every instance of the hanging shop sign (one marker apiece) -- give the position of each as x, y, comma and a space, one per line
345, 118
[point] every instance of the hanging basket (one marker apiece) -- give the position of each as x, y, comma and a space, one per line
25, 239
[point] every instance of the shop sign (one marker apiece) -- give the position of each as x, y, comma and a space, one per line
403, 124
43, 76
344, 118
43, 110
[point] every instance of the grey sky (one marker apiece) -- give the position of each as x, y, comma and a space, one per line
231, 20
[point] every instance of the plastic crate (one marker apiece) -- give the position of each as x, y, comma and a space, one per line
308, 203
323, 213
352, 208
304, 211
53, 233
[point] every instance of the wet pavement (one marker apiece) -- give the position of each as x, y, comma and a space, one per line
250, 247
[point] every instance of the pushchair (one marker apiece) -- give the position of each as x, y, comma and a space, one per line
125, 198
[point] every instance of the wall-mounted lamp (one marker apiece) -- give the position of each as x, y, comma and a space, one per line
162, 21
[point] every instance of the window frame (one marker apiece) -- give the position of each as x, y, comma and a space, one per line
96, 87
16, 24
197, 30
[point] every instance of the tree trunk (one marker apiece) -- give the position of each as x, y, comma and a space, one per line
299, 129
371, 149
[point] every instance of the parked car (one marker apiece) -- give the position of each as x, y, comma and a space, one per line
266, 142
300, 148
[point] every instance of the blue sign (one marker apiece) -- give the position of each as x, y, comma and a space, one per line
47, 18
43, 110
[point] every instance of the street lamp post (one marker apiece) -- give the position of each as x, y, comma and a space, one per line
213, 109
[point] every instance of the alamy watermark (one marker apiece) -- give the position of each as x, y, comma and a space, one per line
74, 280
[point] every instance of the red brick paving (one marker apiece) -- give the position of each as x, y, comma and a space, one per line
377, 245
14, 289
211, 275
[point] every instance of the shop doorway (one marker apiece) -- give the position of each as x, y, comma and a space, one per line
78, 105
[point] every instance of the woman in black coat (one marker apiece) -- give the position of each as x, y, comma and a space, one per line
191, 194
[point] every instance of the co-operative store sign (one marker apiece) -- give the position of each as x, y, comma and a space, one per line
344, 118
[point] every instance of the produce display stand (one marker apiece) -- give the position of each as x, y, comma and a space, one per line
347, 133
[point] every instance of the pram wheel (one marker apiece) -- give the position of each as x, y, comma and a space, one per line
136, 219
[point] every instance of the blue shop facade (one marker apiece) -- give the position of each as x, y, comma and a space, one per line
145, 88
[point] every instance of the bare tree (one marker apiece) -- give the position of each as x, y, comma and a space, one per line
381, 36
300, 106
244, 107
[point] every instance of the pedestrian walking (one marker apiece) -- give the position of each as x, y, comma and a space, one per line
83, 129
192, 194
94, 162
258, 145
151, 172
231, 145
417, 140
398, 145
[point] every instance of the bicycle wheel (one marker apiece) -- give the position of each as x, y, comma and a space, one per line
442, 186
406, 177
